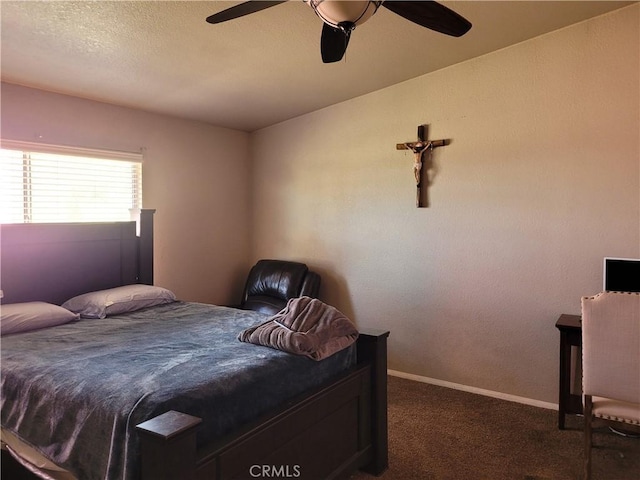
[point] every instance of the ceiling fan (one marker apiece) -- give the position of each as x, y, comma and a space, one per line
341, 18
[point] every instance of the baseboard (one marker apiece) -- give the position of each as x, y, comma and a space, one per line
479, 391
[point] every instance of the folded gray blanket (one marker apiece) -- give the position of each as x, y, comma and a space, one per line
306, 326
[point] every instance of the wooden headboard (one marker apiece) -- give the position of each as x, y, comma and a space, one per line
53, 262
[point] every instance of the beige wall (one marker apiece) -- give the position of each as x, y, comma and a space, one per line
539, 183
194, 175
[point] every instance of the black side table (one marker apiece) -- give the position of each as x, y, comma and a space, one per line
570, 336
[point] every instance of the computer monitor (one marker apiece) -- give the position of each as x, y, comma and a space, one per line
621, 274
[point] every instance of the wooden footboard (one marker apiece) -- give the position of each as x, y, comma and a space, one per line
329, 433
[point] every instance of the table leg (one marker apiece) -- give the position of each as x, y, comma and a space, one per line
564, 389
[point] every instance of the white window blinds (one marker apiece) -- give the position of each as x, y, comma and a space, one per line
48, 184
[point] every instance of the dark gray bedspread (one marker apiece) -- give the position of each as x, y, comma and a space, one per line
76, 391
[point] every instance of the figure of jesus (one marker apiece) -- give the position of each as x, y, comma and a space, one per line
418, 149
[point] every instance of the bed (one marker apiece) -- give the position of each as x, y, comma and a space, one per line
326, 428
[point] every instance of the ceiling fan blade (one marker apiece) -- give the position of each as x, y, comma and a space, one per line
432, 15
241, 10
333, 42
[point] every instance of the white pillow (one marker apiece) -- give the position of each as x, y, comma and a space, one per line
22, 317
118, 300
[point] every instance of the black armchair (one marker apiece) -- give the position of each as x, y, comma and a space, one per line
271, 283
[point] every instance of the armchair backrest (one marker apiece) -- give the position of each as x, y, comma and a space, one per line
611, 346
271, 283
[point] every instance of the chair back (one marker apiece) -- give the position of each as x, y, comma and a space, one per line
271, 283
611, 346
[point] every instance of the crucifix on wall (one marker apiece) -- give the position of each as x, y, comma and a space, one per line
419, 148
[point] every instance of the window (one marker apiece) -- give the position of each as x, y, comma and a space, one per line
46, 184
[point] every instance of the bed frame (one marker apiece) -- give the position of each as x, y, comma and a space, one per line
324, 434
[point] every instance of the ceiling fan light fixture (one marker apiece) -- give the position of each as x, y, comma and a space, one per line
338, 12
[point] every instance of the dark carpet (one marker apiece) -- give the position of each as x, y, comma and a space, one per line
440, 433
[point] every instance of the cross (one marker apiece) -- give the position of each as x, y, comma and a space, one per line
418, 148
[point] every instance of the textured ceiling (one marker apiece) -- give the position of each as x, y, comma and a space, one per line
251, 72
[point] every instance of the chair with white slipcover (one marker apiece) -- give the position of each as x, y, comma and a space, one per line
610, 362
